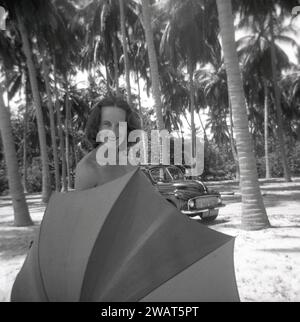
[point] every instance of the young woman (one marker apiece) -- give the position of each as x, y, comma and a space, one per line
106, 115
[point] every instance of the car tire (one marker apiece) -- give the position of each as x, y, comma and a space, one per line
209, 219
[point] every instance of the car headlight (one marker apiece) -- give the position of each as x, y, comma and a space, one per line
192, 204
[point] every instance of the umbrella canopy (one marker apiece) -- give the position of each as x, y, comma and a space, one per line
122, 242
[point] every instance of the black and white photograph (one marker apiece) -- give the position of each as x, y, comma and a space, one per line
149, 153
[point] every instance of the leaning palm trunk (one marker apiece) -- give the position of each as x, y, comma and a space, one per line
52, 122
266, 121
21, 212
125, 53
153, 64
46, 187
280, 131
254, 215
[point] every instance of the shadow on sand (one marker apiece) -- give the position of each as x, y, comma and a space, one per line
16, 241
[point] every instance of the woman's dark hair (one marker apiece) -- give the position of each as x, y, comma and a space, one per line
94, 120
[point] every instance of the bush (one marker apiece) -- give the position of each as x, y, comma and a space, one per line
294, 160
276, 163
34, 176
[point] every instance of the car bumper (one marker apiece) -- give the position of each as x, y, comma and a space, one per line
199, 211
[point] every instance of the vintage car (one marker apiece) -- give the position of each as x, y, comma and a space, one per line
191, 197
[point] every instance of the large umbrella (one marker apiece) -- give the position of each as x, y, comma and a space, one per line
123, 241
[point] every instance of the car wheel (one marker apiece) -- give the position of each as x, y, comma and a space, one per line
209, 219
213, 216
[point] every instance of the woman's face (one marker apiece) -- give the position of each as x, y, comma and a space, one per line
111, 116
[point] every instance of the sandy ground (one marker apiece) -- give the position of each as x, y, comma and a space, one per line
267, 262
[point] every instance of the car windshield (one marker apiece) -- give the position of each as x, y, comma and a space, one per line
159, 175
176, 173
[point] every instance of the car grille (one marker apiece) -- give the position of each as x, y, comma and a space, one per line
206, 202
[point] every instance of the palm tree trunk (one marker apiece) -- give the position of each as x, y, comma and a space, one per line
187, 120
7, 86
74, 153
46, 190
60, 132
232, 143
52, 122
280, 132
203, 128
181, 131
144, 137
268, 173
139, 96
116, 64
192, 102
67, 133
125, 52
156, 91
254, 216
107, 78
21, 212
25, 164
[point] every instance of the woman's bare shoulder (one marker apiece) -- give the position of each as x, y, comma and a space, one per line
85, 172
88, 161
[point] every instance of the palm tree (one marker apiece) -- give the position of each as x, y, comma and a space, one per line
270, 12
139, 59
21, 212
175, 96
54, 38
254, 215
46, 72
290, 85
156, 89
188, 38
64, 47
125, 50
266, 128
255, 50
9, 60
60, 130
281, 135
25, 164
19, 15
211, 83
102, 19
